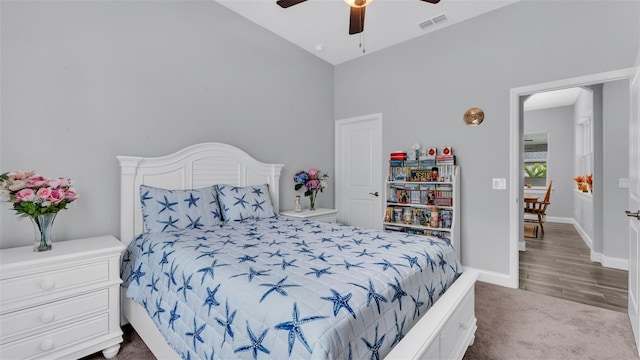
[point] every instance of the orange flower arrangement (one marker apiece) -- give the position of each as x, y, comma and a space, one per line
589, 180
584, 182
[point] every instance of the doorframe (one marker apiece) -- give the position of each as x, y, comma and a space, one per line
515, 141
375, 118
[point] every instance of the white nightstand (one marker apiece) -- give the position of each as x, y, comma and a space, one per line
62, 303
326, 215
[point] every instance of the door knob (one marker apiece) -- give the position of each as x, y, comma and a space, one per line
633, 214
374, 194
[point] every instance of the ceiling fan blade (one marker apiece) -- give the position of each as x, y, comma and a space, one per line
286, 3
432, 1
356, 20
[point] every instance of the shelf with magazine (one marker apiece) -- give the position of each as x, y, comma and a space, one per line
422, 197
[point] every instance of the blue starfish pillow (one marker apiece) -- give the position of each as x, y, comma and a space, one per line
172, 210
241, 203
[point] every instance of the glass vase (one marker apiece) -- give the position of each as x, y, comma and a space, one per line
312, 199
42, 225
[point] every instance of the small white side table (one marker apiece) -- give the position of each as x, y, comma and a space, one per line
61, 303
325, 215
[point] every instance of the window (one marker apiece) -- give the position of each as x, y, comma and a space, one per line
585, 145
535, 159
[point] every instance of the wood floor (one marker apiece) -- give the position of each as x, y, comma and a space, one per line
559, 265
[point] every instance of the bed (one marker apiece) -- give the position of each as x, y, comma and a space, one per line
264, 286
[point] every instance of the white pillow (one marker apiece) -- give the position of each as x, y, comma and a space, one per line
172, 210
241, 203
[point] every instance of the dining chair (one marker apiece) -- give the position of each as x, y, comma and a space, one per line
538, 208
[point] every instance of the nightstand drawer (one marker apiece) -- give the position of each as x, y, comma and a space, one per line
22, 324
48, 342
57, 280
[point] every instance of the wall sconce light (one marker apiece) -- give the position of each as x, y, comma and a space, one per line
473, 117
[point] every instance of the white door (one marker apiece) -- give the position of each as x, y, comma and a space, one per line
634, 206
359, 178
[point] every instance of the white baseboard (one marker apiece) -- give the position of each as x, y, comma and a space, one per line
583, 235
495, 278
610, 262
606, 261
562, 220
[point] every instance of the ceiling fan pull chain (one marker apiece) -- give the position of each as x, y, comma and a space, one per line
362, 42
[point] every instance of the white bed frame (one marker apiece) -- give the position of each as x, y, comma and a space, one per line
444, 332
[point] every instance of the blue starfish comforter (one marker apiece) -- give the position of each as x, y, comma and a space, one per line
285, 288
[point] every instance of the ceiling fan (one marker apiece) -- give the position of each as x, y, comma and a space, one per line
356, 16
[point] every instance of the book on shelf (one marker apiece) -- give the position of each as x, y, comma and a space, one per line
398, 173
444, 202
445, 160
402, 196
445, 172
446, 217
414, 196
419, 174
428, 194
444, 195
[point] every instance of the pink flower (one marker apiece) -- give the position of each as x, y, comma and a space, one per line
25, 195
313, 172
33, 194
44, 193
64, 182
70, 195
20, 175
53, 183
36, 181
17, 185
57, 195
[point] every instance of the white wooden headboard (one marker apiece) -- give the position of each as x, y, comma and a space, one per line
193, 167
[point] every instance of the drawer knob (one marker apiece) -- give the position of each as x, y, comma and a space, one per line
47, 284
47, 317
47, 345
463, 326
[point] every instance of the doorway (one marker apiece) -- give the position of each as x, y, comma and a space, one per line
516, 191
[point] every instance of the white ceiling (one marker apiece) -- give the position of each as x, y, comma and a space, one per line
551, 99
321, 26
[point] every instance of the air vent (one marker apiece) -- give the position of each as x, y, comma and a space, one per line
433, 21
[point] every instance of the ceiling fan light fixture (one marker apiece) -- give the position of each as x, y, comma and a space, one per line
358, 3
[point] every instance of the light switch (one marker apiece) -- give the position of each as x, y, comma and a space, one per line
499, 184
623, 183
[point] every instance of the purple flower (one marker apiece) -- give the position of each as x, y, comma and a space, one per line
313, 185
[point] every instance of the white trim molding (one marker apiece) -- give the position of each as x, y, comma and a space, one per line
491, 277
515, 178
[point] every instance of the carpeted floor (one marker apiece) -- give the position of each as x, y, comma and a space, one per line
514, 324
518, 324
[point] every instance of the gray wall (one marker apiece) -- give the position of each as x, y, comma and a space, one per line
83, 82
100, 79
558, 124
423, 87
616, 111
